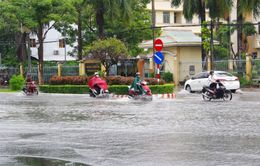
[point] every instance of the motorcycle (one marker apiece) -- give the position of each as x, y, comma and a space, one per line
98, 87
132, 94
30, 88
220, 92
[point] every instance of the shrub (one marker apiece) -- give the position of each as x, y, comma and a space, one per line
17, 82
75, 89
168, 77
244, 82
119, 80
68, 80
159, 89
111, 80
116, 89
154, 81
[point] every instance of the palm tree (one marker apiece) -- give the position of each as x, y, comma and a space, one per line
217, 9
190, 8
110, 8
244, 6
79, 5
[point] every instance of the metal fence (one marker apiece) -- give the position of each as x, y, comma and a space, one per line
49, 71
70, 70
239, 66
256, 68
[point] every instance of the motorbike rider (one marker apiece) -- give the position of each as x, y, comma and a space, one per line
214, 84
96, 74
96, 89
29, 83
136, 85
212, 81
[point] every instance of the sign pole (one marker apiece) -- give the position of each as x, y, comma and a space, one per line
153, 26
158, 73
158, 57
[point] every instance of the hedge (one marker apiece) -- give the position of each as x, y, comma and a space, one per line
111, 80
116, 89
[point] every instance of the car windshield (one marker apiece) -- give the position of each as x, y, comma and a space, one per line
224, 74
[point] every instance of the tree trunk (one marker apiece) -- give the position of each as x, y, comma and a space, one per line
100, 21
202, 18
229, 39
20, 46
239, 36
80, 40
40, 55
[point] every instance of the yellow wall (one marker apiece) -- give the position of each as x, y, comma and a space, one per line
189, 56
179, 59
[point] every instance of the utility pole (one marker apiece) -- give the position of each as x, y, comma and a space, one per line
0, 59
29, 53
65, 50
153, 23
211, 44
157, 66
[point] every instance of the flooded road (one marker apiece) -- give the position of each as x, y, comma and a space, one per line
58, 129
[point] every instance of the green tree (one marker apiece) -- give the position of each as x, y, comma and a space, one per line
111, 8
80, 7
13, 18
244, 7
190, 8
108, 51
136, 31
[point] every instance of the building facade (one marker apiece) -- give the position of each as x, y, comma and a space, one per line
55, 47
166, 15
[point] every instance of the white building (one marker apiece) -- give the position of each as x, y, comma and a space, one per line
55, 49
166, 15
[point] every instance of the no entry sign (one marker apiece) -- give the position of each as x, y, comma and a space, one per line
158, 44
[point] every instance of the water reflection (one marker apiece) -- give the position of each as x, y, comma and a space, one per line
33, 161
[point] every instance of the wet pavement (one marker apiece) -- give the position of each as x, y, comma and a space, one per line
75, 130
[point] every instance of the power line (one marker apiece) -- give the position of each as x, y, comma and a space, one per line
144, 28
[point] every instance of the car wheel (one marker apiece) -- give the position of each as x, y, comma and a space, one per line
188, 88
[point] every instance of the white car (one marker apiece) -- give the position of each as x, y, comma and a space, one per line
197, 82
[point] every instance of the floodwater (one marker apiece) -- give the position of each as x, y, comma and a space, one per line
75, 130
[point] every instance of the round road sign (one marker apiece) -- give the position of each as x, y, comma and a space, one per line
158, 44
158, 57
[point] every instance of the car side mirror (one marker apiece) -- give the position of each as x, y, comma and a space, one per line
192, 78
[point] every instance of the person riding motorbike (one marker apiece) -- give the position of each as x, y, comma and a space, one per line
212, 81
98, 86
30, 85
136, 85
215, 85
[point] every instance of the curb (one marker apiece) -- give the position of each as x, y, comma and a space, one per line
160, 96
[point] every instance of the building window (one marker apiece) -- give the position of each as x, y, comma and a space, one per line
32, 43
166, 17
258, 27
191, 69
199, 19
177, 17
62, 43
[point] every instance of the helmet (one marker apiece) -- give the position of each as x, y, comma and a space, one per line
96, 73
137, 74
211, 72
